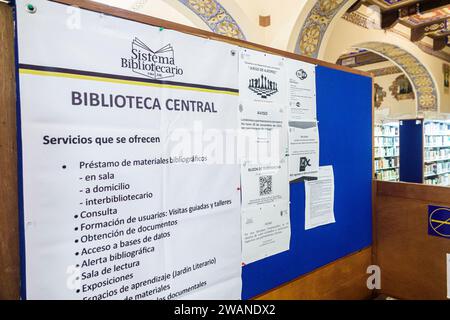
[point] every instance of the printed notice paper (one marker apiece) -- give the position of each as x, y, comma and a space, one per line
125, 195
303, 150
263, 140
263, 147
265, 231
319, 199
301, 90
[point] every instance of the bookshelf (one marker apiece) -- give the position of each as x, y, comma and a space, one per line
436, 152
386, 151
425, 152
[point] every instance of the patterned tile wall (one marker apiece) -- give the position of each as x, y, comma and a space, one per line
315, 26
420, 77
216, 17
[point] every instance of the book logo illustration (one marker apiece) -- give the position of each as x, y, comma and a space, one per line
304, 163
263, 87
158, 64
301, 74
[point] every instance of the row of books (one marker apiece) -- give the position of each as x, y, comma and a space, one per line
386, 130
437, 168
385, 163
437, 154
386, 152
437, 141
442, 180
386, 141
436, 127
387, 175
437, 158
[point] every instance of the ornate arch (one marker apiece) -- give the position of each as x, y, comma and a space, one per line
315, 26
422, 82
215, 16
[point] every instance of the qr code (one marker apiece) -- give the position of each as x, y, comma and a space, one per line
265, 185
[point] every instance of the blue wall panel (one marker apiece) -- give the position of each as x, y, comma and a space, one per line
344, 111
411, 151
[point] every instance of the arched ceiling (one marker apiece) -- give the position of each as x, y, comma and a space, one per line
315, 26
423, 83
423, 19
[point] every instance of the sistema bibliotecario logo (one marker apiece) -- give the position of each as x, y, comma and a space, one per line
263, 87
159, 64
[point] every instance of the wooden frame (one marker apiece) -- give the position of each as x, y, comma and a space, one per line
9, 218
412, 262
414, 191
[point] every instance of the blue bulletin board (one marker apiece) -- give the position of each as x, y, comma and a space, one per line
344, 112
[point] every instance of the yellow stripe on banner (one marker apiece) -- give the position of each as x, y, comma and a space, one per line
441, 221
111, 80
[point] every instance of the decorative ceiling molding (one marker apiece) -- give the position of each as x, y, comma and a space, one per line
434, 29
385, 71
391, 4
432, 16
417, 73
216, 17
359, 58
364, 21
416, 15
357, 18
315, 26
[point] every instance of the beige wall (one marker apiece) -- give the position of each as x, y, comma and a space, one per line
284, 16
170, 10
390, 108
398, 109
346, 35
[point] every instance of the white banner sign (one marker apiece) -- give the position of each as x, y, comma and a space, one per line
127, 190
